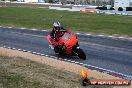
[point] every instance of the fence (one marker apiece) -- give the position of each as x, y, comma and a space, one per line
30, 5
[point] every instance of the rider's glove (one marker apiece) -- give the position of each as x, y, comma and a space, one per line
53, 38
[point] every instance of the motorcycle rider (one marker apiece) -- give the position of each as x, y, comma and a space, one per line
55, 34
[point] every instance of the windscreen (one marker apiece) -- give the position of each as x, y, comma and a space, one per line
66, 37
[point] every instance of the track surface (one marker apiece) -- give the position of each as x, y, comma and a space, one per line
108, 53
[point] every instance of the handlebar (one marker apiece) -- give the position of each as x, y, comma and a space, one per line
63, 30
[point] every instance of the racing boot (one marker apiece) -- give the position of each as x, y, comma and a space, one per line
56, 50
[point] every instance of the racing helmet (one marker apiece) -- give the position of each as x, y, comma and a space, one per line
57, 25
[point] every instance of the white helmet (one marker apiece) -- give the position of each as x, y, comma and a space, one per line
56, 24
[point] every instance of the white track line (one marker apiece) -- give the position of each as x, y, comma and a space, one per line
34, 52
4, 46
76, 62
130, 38
38, 53
111, 36
65, 59
19, 49
73, 61
81, 63
34, 29
42, 54
88, 34
84, 64
14, 48
121, 37
29, 51
110, 71
95, 67
9, 27
52, 56
101, 35
69, 60
60, 58
46, 55
43, 30
77, 33
24, 50
22, 28
9, 47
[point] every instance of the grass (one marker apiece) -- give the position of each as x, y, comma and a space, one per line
17, 72
43, 19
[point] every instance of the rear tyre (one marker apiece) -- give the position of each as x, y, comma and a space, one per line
56, 49
81, 54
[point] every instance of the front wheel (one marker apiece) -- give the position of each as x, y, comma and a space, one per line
80, 53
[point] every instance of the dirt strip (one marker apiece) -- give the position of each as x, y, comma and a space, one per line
71, 67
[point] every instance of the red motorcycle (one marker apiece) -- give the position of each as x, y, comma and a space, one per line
67, 45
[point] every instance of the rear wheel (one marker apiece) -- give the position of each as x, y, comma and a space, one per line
80, 53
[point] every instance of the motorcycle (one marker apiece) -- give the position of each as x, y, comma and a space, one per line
67, 45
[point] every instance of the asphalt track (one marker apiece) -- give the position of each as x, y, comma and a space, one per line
104, 52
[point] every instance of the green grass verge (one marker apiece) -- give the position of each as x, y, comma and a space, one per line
17, 72
43, 19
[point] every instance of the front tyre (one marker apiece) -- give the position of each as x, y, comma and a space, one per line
81, 54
